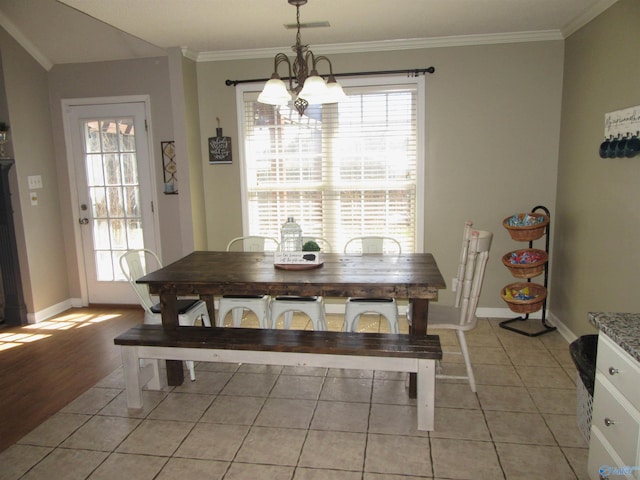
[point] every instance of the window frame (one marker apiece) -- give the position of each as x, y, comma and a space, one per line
418, 82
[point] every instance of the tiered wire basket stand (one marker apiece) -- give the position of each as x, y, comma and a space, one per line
529, 271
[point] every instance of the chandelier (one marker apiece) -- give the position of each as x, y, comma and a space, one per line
310, 88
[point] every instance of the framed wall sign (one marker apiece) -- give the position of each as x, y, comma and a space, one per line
219, 148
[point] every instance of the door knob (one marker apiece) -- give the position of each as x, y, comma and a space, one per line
83, 221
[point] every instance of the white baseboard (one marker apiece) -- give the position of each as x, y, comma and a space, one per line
563, 330
52, 311
78, 303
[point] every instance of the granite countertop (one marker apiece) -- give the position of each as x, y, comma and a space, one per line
622, 328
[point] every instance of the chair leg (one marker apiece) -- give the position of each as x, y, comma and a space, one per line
393, 324
350, 322
467, 360
221, 314
192, 370
313, 310
288, 319
322, 322
261, 311
264, 318
236, 313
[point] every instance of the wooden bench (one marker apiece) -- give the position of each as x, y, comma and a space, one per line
361, 351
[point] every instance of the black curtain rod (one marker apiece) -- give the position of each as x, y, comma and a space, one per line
410, 73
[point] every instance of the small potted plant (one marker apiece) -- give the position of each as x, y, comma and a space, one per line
310, 246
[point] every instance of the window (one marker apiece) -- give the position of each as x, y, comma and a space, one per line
341, 170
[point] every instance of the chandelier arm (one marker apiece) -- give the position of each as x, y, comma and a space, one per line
282, 58
318, 59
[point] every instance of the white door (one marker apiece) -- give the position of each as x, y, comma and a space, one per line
113, 176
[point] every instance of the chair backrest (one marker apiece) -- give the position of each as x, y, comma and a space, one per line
373, 244
135, 264
470, 284
462, 261
324, 244
253, 243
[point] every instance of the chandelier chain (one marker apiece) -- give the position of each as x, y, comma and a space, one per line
298, 38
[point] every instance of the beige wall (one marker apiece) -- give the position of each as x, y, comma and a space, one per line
38, 228
184, 99
106, 79
596, 256
493, 119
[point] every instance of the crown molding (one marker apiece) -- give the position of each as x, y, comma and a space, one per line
389, 45
586, 17
190, 54
19, 37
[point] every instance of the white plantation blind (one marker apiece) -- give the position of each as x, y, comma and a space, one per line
341, 170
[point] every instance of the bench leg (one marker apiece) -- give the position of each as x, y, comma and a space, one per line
137, 374
151, 370
426, 383
132, 377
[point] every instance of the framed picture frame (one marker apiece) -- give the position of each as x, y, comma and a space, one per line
169, 167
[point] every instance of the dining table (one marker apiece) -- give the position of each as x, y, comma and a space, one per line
207, 274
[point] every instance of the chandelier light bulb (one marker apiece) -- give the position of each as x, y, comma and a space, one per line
275, 93
335, 91
314, 91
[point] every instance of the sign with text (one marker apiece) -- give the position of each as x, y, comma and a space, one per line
625, 123
219, 148
297, 258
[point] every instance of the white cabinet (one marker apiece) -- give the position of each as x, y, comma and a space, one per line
615, 423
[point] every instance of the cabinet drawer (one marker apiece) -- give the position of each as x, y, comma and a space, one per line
602, 461
619, 368
618, 425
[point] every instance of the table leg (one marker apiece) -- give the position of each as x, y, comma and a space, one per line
418, 328
168, 305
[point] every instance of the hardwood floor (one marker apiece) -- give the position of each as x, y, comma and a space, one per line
45, 366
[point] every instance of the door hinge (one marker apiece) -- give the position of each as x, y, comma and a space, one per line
152, 209
146, 125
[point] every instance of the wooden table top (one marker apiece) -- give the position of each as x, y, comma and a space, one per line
413, 275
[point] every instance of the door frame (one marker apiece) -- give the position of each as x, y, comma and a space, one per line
73, 191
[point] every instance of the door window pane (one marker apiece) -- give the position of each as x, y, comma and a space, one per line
114, 192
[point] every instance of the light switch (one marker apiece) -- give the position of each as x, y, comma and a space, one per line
34, 198
34, 181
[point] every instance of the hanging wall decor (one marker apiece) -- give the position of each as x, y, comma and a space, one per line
169, 167
219, 147
621, 132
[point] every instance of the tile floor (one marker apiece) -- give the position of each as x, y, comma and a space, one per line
263, 422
